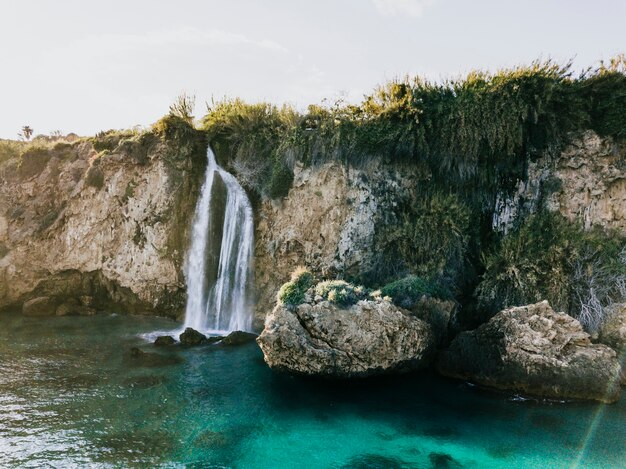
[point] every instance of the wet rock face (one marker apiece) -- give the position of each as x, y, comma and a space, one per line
534, 350
164, 340
369, 338
238, 338
192, 337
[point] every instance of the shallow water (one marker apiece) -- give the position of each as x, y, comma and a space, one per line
72, 395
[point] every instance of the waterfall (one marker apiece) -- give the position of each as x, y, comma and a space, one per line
219, 263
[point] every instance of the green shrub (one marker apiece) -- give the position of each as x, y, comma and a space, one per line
254, 141
432, 236
33, 161
9, 149
409, 290
174, 128
95, 176
106, 140
606, 91
475, 133
340, 292
281, 180
292, 292
549, 258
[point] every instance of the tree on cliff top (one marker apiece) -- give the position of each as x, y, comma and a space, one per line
26, 133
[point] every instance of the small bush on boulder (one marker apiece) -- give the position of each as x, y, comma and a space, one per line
340, 292
292, 292
409, 290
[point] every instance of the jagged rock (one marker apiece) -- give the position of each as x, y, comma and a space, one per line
534, 350
192, 337
369, 338
40, 306
238, 338
613, 331
164, 340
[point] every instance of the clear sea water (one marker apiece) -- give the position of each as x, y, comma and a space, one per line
71, 395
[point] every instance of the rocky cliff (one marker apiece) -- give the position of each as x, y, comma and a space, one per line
108, 228
112, 226
331, 215
586, 182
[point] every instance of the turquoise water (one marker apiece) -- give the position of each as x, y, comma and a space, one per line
71, 395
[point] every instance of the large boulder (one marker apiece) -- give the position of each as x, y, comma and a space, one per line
368, 338
534, 350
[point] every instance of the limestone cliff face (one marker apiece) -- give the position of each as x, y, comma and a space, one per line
586, 182
327, 222
108, 227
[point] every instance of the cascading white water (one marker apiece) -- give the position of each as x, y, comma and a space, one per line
223, 304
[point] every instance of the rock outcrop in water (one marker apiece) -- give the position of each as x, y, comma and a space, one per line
368, 338
534, 350
192, 337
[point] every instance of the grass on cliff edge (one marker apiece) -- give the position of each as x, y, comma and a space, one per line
477, 131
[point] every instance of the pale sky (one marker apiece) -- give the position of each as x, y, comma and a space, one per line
83, 66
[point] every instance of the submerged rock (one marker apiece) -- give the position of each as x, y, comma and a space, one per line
238, 338
369, 338
442, 461
192, 337
211, 439
375, 461
534, 350
164, 340
152, 359
40, 306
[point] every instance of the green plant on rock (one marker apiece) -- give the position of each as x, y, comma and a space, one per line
280, 181
429, 237
577, 271
255, 142
475, 134
340, 292
292, 293
409, 290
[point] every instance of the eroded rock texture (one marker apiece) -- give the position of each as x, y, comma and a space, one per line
534, 350
369, 338
108, 226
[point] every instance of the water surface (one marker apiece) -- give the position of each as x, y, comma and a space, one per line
72, 394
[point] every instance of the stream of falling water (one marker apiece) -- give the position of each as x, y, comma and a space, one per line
221, 301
